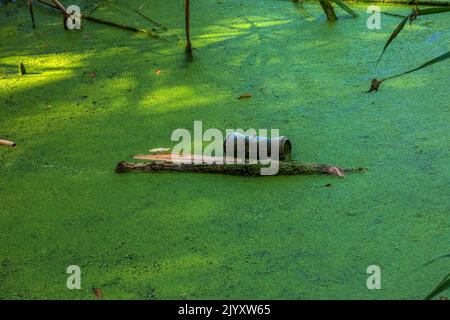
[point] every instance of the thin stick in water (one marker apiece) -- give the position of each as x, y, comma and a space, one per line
187, 27
30, 7
151, 20
328, 9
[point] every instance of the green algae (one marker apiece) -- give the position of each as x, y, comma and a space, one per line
200, 236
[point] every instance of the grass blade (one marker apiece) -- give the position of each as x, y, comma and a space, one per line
442, 286
436, 259
427, 64
393, 36
376, 84
423, 12
345, 7
30, 7
411, 16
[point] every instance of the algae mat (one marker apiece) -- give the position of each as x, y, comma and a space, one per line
93, 98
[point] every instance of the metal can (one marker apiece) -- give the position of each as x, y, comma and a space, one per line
250, 143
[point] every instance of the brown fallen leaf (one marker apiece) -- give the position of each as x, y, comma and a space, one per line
336, 171
98, 293
245, 96
157, 72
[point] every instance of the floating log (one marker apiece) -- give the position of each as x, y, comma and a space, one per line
285, 168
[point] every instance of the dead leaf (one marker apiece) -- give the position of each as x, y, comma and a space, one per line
157, 72
98, 293
245, 96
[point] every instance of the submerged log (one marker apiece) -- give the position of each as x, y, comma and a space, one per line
285, 168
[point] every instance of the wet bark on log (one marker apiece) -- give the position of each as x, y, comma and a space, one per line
285, 168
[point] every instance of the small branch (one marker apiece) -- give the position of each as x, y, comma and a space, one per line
121, 26
7, 143
64, 12
59, 5
187, 14
285, 168
109, 23
30, 7
151, 20
346, 8
49, 4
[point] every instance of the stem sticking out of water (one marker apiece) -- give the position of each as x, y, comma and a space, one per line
64, 12
30, 7
187, 27
328, 9
376, 83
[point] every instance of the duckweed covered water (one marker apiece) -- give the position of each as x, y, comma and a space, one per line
174, 236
